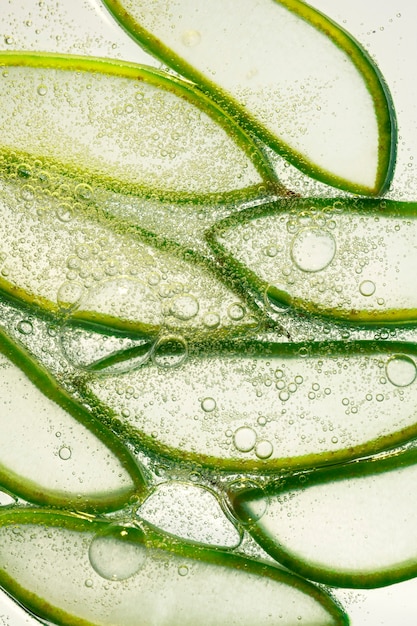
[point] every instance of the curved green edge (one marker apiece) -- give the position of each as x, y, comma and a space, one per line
29, 490
152, 539
356, 469
237, 346
183, 90
135, 329
246, 281
373, 79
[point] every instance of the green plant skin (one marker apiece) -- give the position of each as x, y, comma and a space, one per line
322, 476
50, 387
152, 539
247, 281
375, 84
253, 348
167, 82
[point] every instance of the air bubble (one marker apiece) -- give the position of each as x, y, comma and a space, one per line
313, 250
184, 307
42, 90
84, 192
211, 320
69, 294
367, 288
236, 312
401, 370
183, 570
25, 327
65, 453
208, 405
271, 251
244, 439
64, 213
264, 449
117, 553
170, 352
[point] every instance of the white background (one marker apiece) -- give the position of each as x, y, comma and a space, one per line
385, 28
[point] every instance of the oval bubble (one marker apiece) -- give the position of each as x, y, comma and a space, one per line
313, 249
170, 351
401, 370
117, 553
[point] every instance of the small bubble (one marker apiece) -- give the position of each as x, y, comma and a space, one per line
42, 90
69, 294
244, 439
367, 288
401, 370
271, 251
117, 553
64, 213
313, 250
183, 570
88, 583
65, 453
83, 192
236, 312
153, 278
184, 307
25, 327
211, 320
208, 405
170, 352
27, 193
264, 449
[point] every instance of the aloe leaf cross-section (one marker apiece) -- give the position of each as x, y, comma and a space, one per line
52, 451
127, 126
347, 526
347, 259
263, 406
130, 576
62, 253
288, 73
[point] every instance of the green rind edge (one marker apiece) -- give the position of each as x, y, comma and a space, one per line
180, 88
246, 281
361, 468
29, 490
373, 79
268, 466
152, 539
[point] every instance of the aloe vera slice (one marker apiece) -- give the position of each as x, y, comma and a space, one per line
287, 72
127, 126
343, 258
262, 406
348, 526
52, 450
90, 573
64, 255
